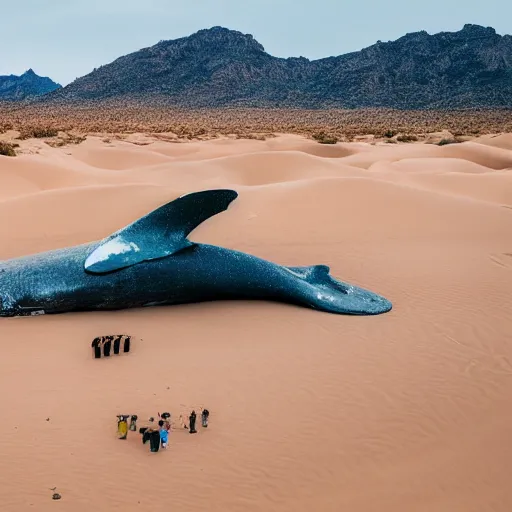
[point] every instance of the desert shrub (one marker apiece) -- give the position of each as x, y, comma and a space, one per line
56, 143
407, 138
5, 126
7, 149
75, 139
324, 138
389, 134
254, 136
69, 139
444, 142
36, 132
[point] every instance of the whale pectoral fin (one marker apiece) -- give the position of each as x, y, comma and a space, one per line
158, 234
121, 252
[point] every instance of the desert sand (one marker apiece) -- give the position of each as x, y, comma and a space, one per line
406, 411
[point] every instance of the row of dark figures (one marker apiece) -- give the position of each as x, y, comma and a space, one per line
104, 344
157, 437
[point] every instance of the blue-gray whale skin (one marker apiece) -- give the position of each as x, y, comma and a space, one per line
151, 262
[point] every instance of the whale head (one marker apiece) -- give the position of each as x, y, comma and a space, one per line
358, 301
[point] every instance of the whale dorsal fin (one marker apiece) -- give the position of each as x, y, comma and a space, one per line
160, 233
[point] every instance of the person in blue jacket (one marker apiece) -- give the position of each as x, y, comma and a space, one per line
164, 434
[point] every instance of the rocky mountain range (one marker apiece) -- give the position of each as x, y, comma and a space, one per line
218, 67
28, 85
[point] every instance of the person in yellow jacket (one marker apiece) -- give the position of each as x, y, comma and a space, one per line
122, 426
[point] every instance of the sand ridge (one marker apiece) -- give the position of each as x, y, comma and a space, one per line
404, 411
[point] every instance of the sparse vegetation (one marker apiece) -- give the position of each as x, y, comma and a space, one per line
112, 119
324, 138
407, 138
75, 139
37, 132
7, 149
255, 136
5, 126
444, 142
68, 139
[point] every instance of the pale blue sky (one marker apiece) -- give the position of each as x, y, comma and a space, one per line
65, 39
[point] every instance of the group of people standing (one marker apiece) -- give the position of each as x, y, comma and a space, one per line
158, 437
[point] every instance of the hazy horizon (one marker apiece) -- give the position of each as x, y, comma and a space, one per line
71, 38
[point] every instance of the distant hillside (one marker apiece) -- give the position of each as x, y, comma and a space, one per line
28, 85
218, 67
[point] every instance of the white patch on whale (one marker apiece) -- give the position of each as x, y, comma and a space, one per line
116, 246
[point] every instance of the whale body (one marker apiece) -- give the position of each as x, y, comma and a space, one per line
151, 262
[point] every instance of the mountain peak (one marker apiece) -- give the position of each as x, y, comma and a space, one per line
28, 85
223, 35
469, 28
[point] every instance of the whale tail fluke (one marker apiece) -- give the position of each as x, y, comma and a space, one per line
325, 293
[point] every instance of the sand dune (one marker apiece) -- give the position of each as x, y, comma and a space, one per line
503, 140
439, 165
488, 156
493, 187
453, 176
404, 411
117, 158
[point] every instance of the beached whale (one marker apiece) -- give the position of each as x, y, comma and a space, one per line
151, 262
